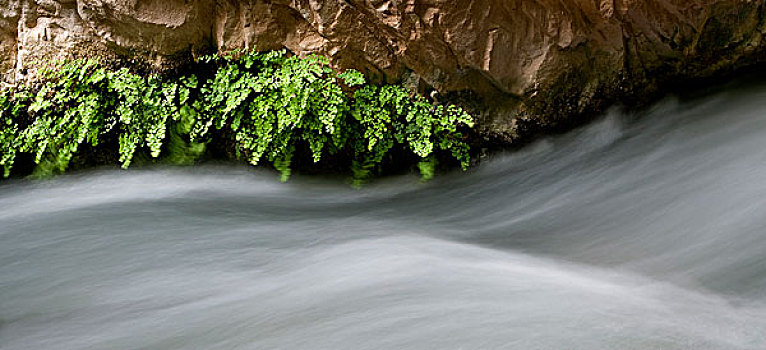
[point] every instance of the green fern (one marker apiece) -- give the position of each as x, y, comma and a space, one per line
271, 104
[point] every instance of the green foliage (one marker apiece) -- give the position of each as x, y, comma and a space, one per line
270, 105
427, 167
12, 105
79, 102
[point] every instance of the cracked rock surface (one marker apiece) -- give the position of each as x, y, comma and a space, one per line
515, 63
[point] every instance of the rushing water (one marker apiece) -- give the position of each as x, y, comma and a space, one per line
639, 231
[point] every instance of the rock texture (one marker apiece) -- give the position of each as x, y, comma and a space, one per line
517, 63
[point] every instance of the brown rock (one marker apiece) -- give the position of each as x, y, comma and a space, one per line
525, 62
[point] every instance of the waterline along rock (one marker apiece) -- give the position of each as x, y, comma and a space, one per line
518, 64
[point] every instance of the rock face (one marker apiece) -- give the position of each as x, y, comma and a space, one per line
516, 63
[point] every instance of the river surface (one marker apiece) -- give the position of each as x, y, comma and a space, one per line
640, 231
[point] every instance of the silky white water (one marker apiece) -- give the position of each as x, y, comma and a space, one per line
639, 231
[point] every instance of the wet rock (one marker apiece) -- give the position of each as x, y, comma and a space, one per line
528, 62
